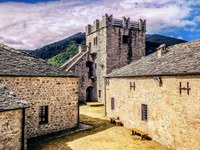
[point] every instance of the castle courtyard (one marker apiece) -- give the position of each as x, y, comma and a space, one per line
103, 136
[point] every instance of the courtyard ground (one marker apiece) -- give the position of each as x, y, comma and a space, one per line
103, 136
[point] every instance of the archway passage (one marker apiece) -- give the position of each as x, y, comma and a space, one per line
89, 94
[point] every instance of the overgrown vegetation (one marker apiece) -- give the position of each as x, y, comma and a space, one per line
66, 54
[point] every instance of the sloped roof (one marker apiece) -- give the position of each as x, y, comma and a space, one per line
8, 101
70, 63
180, 59
16, 63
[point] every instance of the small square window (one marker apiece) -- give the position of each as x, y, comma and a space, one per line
125, 39
144, 112
43, 114
112, 103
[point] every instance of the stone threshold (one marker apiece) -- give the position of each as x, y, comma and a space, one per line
60, 134
94, 104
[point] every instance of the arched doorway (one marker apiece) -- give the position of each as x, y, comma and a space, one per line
89, 94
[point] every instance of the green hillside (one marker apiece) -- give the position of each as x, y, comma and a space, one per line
59, 52
66, 54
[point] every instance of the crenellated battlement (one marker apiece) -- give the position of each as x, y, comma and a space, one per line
122, 23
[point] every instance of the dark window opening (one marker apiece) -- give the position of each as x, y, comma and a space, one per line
90, 46
43, 115
99, 93
112, 103
95, 41
144, 112
89, 64
95, 65
125, 39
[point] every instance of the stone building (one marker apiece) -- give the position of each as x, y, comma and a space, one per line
12, 121
110, 43
51, 93
159, 94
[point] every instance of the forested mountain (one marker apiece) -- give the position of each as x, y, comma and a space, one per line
53, 49
59, 52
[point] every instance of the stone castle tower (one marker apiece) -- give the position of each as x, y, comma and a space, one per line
110, 44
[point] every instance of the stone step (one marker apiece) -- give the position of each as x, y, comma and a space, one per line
94, 104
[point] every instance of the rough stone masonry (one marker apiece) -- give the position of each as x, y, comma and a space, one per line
110, 44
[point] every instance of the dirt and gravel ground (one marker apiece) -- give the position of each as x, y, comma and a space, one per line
103, 136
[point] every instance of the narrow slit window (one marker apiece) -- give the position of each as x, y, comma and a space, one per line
112, 103
96, 41
89, 46
99, 93
43, 114
144, 112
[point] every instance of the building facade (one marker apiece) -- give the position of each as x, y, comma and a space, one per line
12, 121
110, 44
51, 93
159, 95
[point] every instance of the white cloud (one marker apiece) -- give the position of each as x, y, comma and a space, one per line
28, 26
180, 37
196, 19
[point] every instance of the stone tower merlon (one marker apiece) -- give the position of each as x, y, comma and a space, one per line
110, 21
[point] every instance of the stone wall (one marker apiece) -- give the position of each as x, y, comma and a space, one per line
84, 82
111, 52
100, 49
173, 118
120, 54
59, 93
11, 130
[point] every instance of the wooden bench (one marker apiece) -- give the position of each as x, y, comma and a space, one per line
142, 134
116, 121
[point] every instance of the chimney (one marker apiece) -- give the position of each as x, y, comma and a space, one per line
161, 50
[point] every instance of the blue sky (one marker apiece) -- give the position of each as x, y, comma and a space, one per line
30, 24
